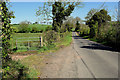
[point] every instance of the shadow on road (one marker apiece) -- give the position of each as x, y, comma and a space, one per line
99, 47
77, 37
96, 46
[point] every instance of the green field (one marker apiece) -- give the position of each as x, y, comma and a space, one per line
38, 26
21, 40
31, 41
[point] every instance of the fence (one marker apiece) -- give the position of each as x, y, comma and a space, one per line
29, 43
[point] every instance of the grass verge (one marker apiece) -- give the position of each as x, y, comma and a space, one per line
34, 62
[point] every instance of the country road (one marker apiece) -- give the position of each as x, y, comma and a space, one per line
82, 59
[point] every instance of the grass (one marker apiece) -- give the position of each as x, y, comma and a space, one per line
85, 37
15, 37
66, 40
34, 62
39, 26
93, 39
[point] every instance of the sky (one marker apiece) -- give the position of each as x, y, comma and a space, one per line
65, 0
27, 10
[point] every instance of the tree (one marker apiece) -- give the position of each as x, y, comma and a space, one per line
90, 13
59, 14
35, 23
60, 10
6, 31
98, 18
70, 23
115, 15
28, 22
24, 27
44, 12
93, 11
77, 26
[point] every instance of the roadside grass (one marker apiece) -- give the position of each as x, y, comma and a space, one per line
66, 40
93, 39
85, 37
34, 62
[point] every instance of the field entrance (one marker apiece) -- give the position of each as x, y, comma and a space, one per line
26, 41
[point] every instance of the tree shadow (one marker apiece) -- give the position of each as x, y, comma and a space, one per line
77, 37
100, 47
96, 46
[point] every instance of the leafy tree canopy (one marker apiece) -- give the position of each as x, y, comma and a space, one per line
91, 13
100, 17
59, 12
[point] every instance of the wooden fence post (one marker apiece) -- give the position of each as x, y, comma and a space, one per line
41, 41
12, 43
16, 43
28, 45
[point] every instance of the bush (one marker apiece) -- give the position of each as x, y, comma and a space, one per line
66, 27
77, 27
48, 28
84, 30
23, 27
14, 69
63, 28
105, 32
50, 37
15, 29
34, 30
41, 30
109, 34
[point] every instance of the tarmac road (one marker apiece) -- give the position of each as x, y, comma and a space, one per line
82, 59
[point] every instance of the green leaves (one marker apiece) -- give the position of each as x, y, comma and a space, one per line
59, 13
6, 30
96, 20
77, 27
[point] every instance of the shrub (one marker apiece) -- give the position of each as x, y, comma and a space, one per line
34, 30
105, 32
14, 69
15, 29
41, 30
50, 37
84, 30
109, 33
66, 26
23, 27
48, 28
77, 27
63, 28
